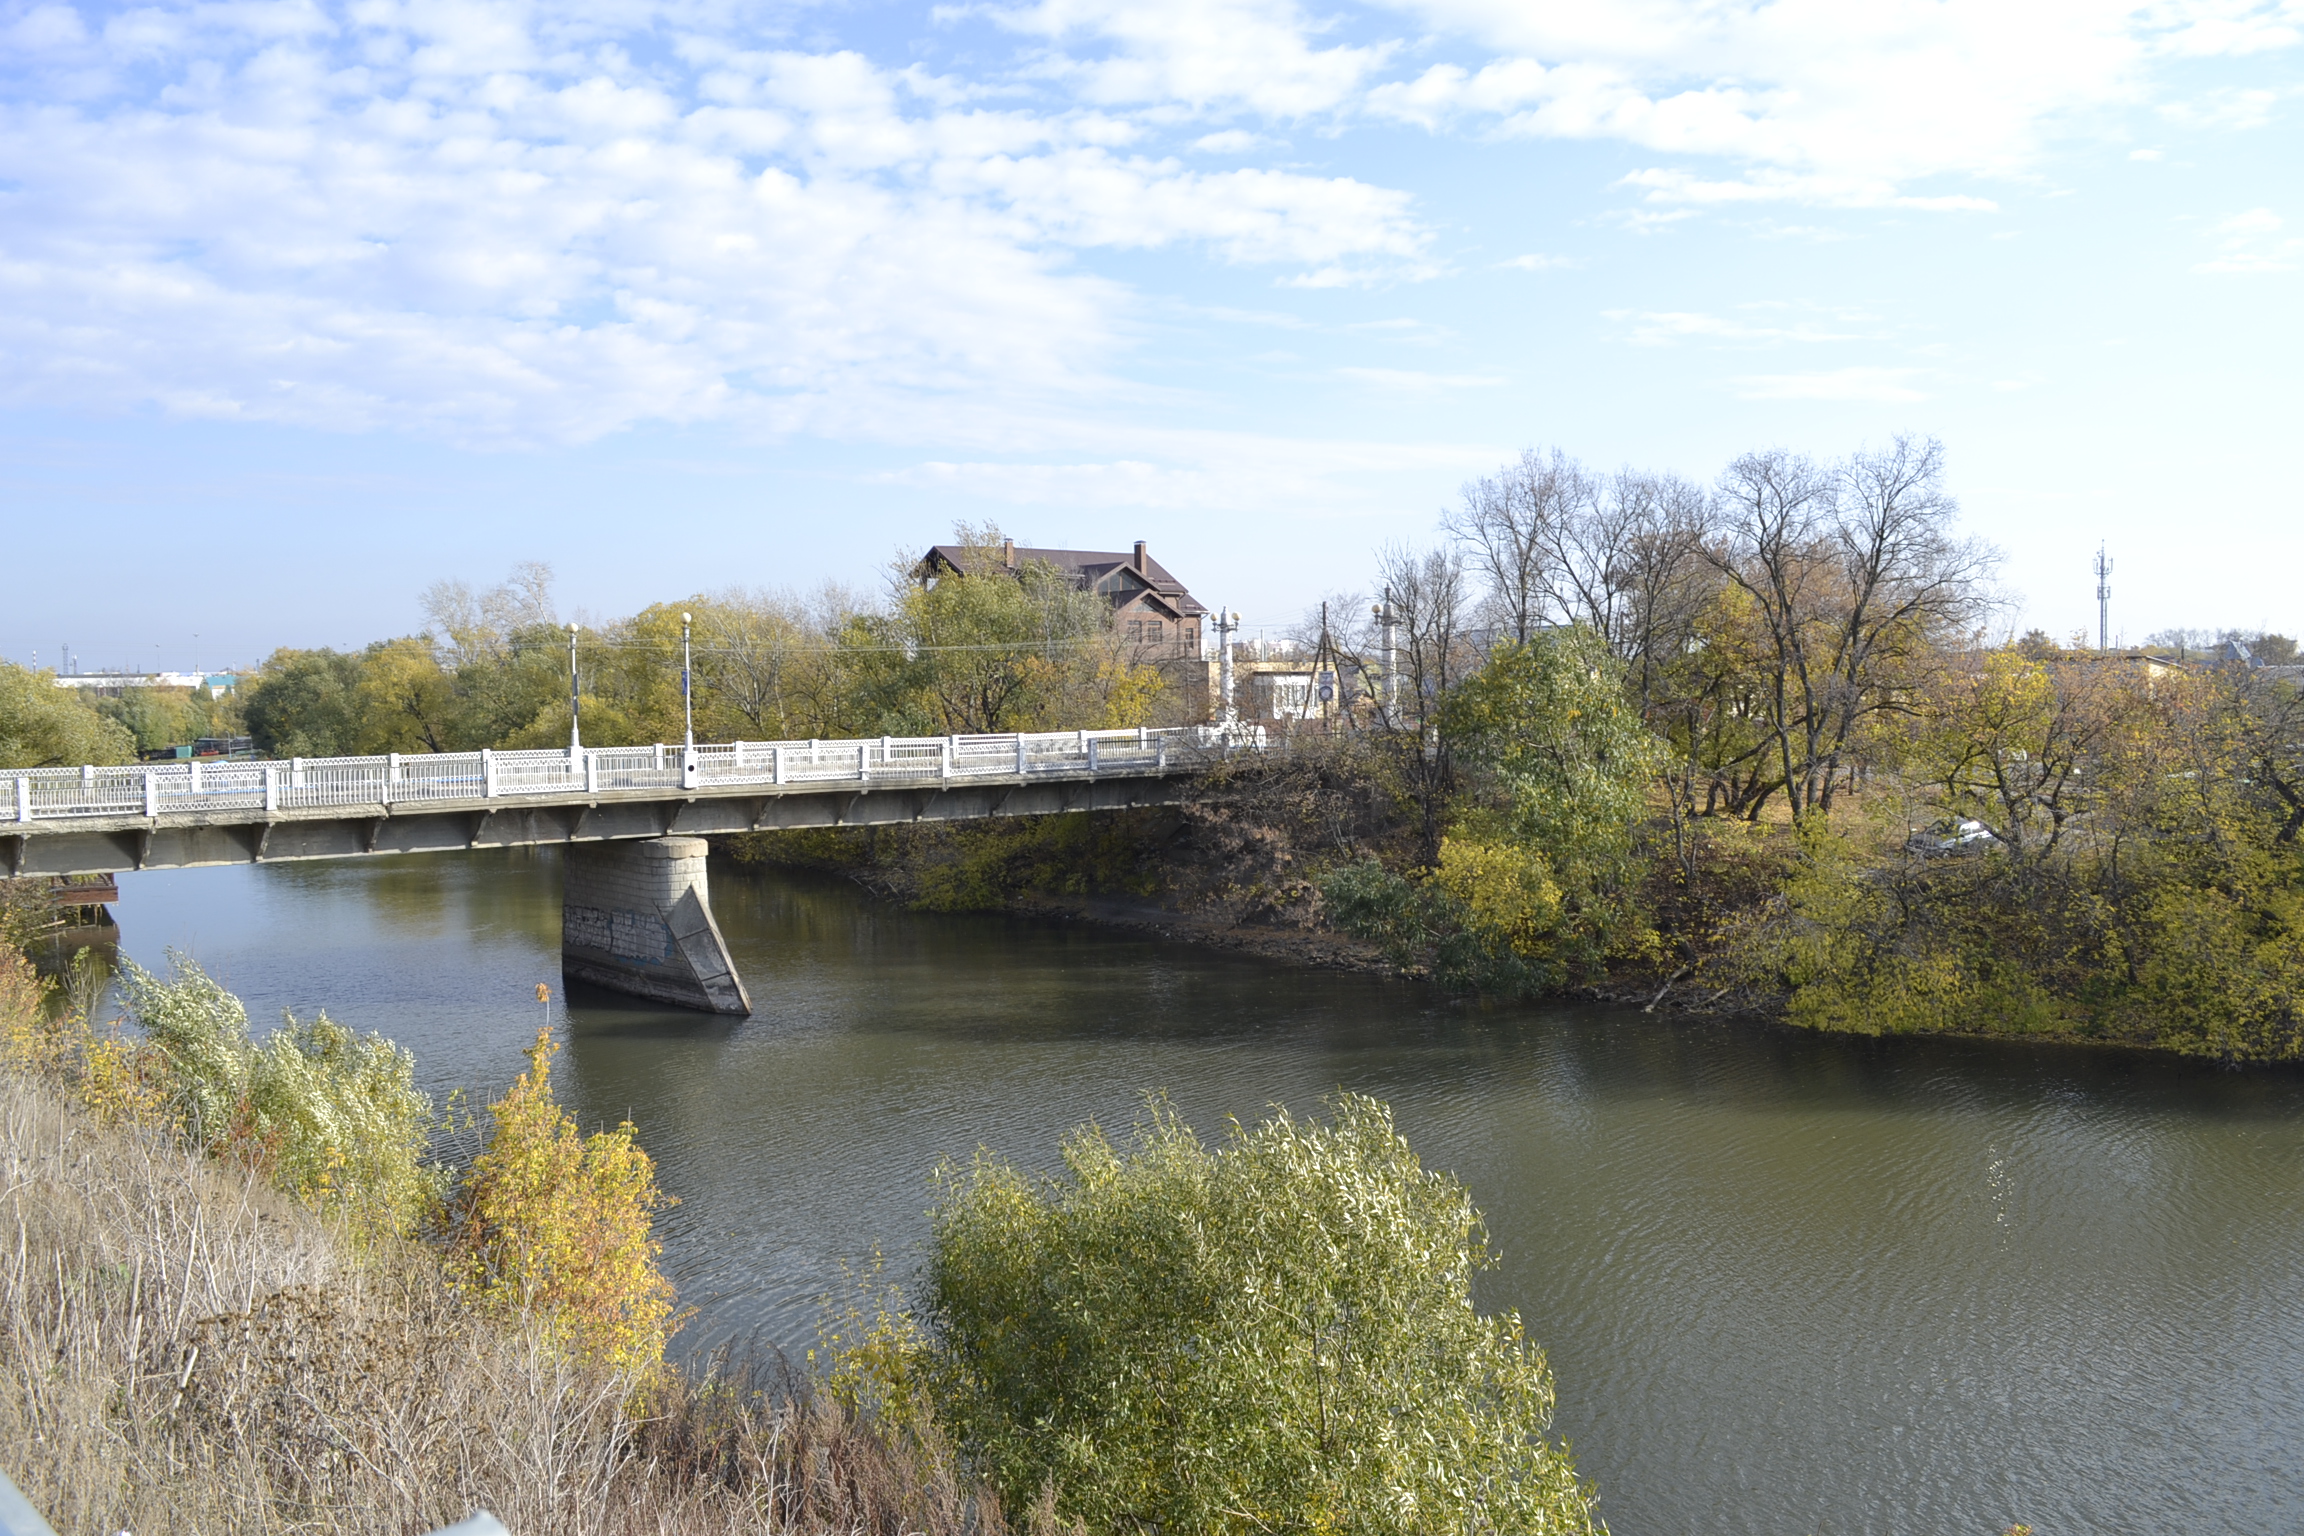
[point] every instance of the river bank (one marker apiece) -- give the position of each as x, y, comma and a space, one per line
1853, 925
1215, 873
1787, 1280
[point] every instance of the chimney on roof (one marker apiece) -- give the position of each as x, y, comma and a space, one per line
1008, 553
1141, 567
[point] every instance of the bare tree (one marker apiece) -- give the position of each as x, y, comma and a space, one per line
474, 626
1510, 525
759, 653
1429, 594
1853, 577
1661, 579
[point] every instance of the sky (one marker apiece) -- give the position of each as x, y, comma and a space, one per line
304, 306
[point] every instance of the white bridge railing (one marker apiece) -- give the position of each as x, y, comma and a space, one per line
318, 783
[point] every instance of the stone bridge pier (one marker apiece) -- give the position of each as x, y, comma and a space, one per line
636, 917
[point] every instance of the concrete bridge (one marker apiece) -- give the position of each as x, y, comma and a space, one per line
637, 914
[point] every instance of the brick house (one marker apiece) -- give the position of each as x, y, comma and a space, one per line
1151, 610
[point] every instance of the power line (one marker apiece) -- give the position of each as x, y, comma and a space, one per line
665, 648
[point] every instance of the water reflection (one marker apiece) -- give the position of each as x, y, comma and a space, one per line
1788, 1283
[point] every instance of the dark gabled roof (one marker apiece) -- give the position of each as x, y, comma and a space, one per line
1109, 572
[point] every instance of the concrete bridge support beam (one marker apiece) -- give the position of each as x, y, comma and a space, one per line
636, 917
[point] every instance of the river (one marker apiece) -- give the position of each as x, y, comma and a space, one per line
1789, 1284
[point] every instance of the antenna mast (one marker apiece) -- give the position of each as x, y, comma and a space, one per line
2103, 599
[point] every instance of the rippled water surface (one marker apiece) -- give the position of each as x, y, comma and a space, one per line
1788, 1284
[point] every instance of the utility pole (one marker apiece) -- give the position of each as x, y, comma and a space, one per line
2103, 599
575, 741
1227, 624
1326, 680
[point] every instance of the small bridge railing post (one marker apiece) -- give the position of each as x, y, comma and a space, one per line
1091, 752
950, 742
23, 798
777, 758
1022, 762
487, 773
151, 793
271, 788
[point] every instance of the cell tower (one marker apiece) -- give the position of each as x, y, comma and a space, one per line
2103, 599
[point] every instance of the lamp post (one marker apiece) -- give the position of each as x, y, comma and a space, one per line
575, 740
687, 712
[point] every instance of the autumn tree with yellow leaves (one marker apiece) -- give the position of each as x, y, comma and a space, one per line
560, 1227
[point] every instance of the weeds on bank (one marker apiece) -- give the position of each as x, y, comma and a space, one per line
238, 1299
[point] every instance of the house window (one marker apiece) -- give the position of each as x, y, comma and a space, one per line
1143, 631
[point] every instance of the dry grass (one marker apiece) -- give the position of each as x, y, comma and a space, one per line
185, 1351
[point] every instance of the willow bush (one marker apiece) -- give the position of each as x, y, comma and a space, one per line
332, 1117
1275, 1334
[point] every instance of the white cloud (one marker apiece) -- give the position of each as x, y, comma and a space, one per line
1537, 261
1662, 328
1410, 381
1254, 55
500, 221
1685, 188
488, 223
1089, 197
2229, 108
1197, 471
1883, 384
2253, 242
1826, 103
46, 27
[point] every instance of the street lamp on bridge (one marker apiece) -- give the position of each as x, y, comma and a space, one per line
575, 741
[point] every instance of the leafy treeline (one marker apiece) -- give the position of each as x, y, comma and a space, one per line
44, 726
984, 649
1751, 738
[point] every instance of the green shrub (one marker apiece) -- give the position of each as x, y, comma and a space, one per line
1274, 1335
1546, 863
1371, 902
332, 1117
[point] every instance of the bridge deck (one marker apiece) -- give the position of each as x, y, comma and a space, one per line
100, 819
